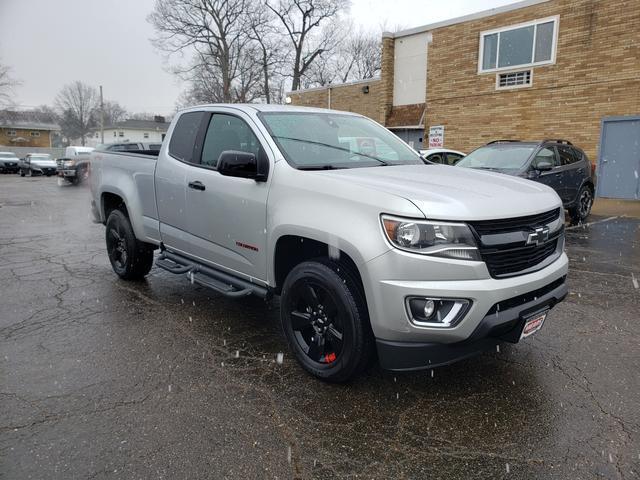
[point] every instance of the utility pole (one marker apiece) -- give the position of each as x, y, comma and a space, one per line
101, 116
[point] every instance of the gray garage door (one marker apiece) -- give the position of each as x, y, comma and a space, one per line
619, 165
410, 135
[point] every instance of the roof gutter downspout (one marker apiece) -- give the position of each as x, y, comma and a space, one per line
329, 97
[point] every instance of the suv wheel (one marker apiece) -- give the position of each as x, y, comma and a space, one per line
130, 258
581, 211
324, 318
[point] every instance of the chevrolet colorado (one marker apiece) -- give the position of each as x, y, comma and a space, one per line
370, 250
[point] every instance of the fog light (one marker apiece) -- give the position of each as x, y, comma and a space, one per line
429, 308
436, 312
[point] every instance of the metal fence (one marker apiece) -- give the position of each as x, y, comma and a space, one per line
20, 152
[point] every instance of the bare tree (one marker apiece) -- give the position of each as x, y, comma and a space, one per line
7, 83
113, 112
358, 56
77, 103
214, 32
302, 20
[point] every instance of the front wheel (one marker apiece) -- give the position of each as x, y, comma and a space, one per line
581, 211
21, 173
130, 258
324, 318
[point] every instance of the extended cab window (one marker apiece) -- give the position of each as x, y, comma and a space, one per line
184, 134
227, 132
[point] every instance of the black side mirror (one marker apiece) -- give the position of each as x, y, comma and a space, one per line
233, 163
544, 166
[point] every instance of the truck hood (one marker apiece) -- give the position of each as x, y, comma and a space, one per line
450, 193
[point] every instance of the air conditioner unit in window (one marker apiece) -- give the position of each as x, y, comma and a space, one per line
520, 79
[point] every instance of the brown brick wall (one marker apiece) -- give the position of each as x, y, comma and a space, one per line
348, 97
42, 141
597, 74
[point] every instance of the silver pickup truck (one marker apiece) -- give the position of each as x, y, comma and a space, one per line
370, 250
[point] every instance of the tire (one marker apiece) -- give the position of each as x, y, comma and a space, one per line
130, 258
324, 317
584, 202
22, 173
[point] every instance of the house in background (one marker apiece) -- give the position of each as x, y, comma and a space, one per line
27, 129
147, 131
530, 70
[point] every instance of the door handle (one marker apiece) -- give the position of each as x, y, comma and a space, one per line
197, 185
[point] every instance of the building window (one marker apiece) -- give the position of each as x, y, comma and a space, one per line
114, 133
11, 133
145, 135
35, 134
121, 134
513, 79
526, 44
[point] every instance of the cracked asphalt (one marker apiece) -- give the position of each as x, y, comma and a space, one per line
100, 378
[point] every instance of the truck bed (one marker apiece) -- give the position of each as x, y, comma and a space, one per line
129, 175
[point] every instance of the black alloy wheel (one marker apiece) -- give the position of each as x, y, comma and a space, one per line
316, 321
325, 320
130, 258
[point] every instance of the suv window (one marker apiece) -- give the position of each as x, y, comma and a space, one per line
184, 134
545, 155
227, 132
566, 154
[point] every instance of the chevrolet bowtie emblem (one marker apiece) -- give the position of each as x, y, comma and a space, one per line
538, 237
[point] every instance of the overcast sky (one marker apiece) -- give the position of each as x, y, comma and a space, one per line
48, 43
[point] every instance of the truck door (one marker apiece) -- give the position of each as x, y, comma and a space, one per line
172, 171
226, 216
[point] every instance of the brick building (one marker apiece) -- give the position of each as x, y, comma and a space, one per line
27, 129
530, 70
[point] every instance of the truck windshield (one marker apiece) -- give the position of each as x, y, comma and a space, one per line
498, 157
313, 140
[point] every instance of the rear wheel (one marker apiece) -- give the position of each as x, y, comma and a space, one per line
130, 258
582, 209
324, 317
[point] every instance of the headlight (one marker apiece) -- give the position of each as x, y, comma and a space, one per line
68, 163
440, 239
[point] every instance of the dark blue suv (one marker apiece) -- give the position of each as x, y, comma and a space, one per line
556, 163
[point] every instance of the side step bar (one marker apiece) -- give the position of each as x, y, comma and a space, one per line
221, 282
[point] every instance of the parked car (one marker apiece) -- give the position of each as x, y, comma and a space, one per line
128, 146
368, 248
37, 164
9, 162
556, 163
443, 156
75, 169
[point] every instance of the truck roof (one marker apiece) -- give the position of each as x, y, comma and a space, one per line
264, 107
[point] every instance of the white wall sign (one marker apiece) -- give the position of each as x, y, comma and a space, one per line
436, 136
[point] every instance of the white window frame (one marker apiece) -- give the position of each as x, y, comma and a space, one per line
12, 133
554, 46
511, 87
34, 134
145, 135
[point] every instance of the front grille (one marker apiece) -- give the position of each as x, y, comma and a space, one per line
506, 262
507, 255
492, 227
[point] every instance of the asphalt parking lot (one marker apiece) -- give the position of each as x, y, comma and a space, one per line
101, 378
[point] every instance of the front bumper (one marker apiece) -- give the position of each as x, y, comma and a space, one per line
496, 327
66, 173
403, 345
44, 170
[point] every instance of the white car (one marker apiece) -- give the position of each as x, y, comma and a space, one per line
443, 156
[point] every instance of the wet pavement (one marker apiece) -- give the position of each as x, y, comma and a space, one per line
100, 378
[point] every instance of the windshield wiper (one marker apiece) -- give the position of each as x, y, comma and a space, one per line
382, 162
320, 167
